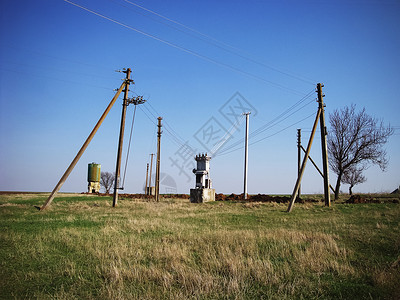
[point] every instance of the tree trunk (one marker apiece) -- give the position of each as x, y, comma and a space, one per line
350, 189
337, 187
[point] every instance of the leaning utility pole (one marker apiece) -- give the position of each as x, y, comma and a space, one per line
246, 155
158, 159
121, 136
320, 117
324, 133
298, 158
83, 148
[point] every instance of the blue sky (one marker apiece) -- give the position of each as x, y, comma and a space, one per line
191, 60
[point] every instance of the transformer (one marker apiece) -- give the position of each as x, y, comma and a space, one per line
203, 191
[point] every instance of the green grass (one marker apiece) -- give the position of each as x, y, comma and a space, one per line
82, 248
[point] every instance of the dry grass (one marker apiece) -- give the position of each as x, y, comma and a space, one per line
81, 248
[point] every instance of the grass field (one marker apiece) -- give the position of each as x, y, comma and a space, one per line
82, 248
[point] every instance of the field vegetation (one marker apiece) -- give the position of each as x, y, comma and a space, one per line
82, 248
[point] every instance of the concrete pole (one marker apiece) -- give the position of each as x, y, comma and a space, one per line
246, 155
298, 158
83, 148
303, 165
151, 168
147, 178
158, 159
121, 138
324, 145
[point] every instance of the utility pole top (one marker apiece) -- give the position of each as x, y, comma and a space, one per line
246, 113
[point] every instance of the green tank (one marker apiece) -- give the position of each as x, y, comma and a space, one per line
94, 172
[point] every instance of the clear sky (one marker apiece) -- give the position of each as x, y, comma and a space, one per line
195, 62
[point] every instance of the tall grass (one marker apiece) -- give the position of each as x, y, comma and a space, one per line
81, 248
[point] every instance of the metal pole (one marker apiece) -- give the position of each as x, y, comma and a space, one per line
82, 150
324, 145
303, 165
246, 155
147, 177
121, 137
158, 160
298, 158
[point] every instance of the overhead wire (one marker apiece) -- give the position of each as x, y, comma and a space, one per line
129, 147
264, 138
280, 118
194, 53
216, 42
227, 135
171, 136
166, 123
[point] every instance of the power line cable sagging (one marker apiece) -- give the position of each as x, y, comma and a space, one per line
218, 43
189, 51
229, 148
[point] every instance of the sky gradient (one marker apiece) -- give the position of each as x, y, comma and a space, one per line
195, 62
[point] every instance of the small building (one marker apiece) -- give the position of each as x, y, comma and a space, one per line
203, 191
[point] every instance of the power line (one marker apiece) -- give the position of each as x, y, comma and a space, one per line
218, 43
264, 138
206, 58
276, 120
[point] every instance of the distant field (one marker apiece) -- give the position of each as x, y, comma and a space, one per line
82, 248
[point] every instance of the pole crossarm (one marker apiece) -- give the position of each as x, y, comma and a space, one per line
83, 148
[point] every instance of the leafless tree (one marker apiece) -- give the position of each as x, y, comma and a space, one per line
355, 140
352, 176
106, 180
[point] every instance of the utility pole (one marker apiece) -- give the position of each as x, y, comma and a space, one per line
298, 158
246, 155
151, 168
147, 177
158, 159
321, 118
303, 165
324, 145
121, 136
83, 148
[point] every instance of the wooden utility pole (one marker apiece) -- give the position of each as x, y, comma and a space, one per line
246, 155
298, 158
121, 136
158, 159
83, 148
324, 147
147, 177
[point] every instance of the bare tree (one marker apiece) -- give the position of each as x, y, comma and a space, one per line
352, 176
355, 140
106, 180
